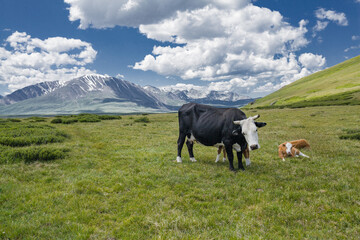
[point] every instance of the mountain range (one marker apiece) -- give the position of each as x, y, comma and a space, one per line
104, 94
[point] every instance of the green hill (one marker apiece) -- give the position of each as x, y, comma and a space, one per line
337, 85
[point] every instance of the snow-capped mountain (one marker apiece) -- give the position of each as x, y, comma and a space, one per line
80, 87
104, 94
179, 97
109, 88
166, 97
30, 92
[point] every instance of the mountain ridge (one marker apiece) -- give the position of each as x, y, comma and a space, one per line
31, 91
98, 93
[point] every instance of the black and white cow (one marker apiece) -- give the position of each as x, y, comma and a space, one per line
212, 126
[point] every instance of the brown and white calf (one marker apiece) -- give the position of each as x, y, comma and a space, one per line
245, 153
291, 149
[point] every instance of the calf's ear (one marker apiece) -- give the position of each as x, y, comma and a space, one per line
260, 124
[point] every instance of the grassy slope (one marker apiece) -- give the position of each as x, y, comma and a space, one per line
120, 181
337, 85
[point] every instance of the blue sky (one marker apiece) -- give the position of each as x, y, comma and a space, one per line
249, 47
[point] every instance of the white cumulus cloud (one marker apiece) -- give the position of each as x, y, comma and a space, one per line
320, 26
324, 17
339, 18
312, 61
218, 44
25, 60
231, 43
133, 13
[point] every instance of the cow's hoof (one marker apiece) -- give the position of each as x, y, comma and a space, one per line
193, 159
224, 159
178, 159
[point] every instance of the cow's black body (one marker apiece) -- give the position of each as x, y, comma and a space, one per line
211, 126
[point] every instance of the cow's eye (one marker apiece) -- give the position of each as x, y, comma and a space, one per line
244, 133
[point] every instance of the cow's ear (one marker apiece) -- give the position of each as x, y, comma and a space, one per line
260, 124
236, 132
238, 122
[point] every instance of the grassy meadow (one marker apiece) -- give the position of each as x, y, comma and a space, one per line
118, 179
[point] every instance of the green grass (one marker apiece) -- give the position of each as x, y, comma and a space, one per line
120, 180
337, 85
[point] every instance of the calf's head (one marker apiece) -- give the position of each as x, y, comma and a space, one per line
248, 129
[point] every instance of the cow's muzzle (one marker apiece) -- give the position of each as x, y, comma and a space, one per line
254, 147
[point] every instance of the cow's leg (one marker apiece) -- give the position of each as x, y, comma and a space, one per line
180, 142
230, 155
224, 159
246, 154
219, 153
190, 145
240, 164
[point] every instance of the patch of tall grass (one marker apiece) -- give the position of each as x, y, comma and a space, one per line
36, 119
31, 154
142, 120
21, 142
84, 117
19, 135
352, 134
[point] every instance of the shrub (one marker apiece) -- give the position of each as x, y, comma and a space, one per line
109, 117
352, 134
21, 135
36, 119
14, 120
69, 120
20, 142
83, 117
32, 154
142, 119
56, 120
89, 118
355, 136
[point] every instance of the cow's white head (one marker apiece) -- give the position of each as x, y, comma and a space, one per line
249, 130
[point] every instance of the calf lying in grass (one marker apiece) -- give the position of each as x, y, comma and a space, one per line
291, 149
246, 154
